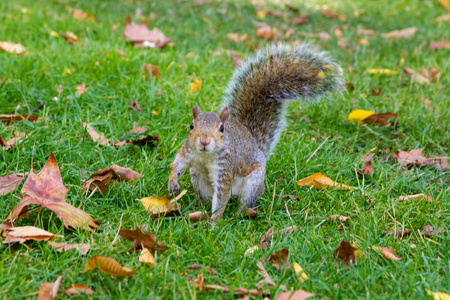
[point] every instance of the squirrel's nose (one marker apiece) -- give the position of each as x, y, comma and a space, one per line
205, 141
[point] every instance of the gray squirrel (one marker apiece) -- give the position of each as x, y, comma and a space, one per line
227, 152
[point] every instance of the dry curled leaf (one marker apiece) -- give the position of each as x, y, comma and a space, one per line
263, 272
388, 253
47, 189
97, 138
142, 240
347, 253
279, 259
151, 69
10, 143
26, 233
380, 119
301, 20
236, 37
440, 45
108, 265
142, 37
49, 290
265, 32
9, 183
103, 177
12, 47
321, 181
8, 119
416, 157
420, 196
250, 213
301, 275
134, 105
237, 60
367, 168
294, 295
147, 257
292, 197
400, 34
430, 231
62, 247
332, 14
81, 89
339, 218
78, 289
198, 216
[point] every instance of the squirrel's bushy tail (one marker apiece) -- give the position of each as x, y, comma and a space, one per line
260, 88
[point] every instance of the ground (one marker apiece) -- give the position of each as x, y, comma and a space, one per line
52, 67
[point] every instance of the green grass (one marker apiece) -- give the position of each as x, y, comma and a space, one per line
202, 29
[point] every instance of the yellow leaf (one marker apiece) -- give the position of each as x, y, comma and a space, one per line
252, 250
421, 196
444, 3
196, 85
382, 71
438, 295
108, 265
444, 18
12, 47
301, 275
363, 42
155, 204
260, 14
146, 257
54, 34
358, 115
321, 181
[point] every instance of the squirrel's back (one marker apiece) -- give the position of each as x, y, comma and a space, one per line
260, 89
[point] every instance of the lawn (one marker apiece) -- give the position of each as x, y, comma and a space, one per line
112, 69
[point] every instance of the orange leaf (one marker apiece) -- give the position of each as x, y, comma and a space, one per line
108, 265
321, 181
77, 289
49, 290
142, 240
388, 253
347, 253
146, 257
25, 233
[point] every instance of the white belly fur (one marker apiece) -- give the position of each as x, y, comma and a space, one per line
236, 185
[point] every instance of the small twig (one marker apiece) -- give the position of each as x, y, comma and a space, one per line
287, 210
41, 105
93, 192
118, 231
315, 151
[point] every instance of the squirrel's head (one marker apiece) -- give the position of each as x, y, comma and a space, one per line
207, 130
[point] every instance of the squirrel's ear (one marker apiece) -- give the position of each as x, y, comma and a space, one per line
224, 114
196, 111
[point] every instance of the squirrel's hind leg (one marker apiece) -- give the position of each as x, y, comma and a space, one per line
252, 187
203, 188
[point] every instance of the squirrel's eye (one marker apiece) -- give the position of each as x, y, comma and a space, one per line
192, 126
221, 128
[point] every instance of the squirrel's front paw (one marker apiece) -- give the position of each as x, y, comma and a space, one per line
174, 188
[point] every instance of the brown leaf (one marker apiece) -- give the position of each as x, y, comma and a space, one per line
380, 119
262, 271
81, 89
415, 197
416, 157
291, 8
236, 37
198, 216
236, 59
294, 295
332, 14
367, 169
109, 266
292, 197
142, 240
151, 69
202, 267
338, 217
430, 231
8, 119
440, 45
301, 20
238, 290
399, 34
97, 138
47, 190
376, 92
134, 105
199, 282
347, 253
62, 247
78, 289
12, 47
367, 157
251, 213
142, 37
103, 177
9, 183
10, 143
136, 129
366, 31
265, 32
151, 140
399, 233
49, 290
26, 233
388, 253
279, 259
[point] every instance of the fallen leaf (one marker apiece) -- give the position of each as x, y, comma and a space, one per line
440, 45
199, 282
81, 89
151, 140
399, 34
262, 271
146, 257
190, 54
78, 289
430, 231
195, 85
9, 183
387, 72
49, 290
134, 105
80, 14
444, 18
358, 115
415, 197
347, 253
103, 177
238, 290
367, 169
26, 233
400, 233
416, 76
62, 247
202, 267
388, 253
265, 32
438, 295
338, 217
142, 37
301, 275
366, 31
198, 216
444, 3
417, 158
151, 69
291, 8
143, 240
292, 197
294, 295
10, 143
236, 37
301, 20
70, 37
380, 119
108, 265
47, 190
332, 14
236, 59
376, 92
12, 47
321, 181
97, 138
8, 119
279, 259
